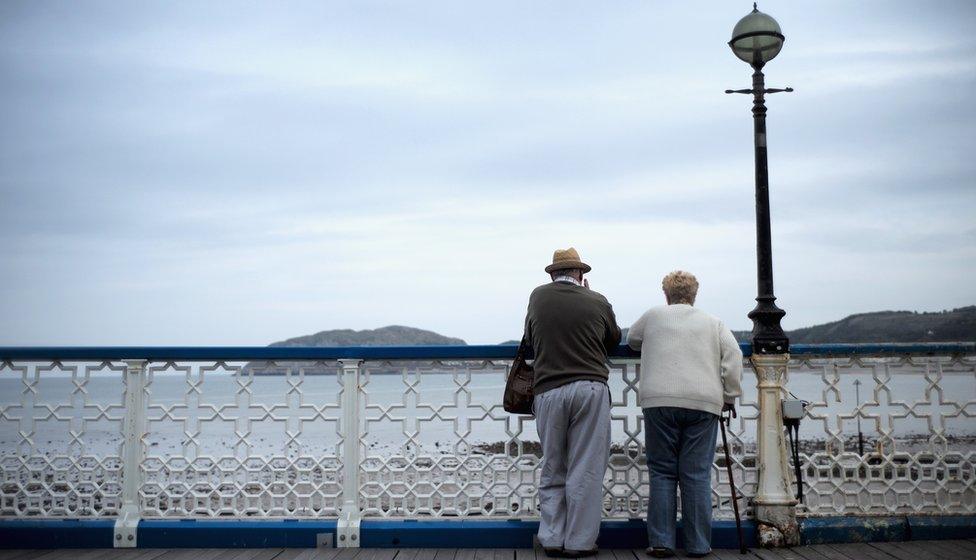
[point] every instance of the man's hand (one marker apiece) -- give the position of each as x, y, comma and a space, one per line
730, 408
586, 283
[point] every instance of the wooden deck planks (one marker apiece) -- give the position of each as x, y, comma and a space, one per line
829, 553
376, 554
290, 553
892, 549
935, 549
727, 554
484, 554
38, 553
20, 553
188, 554
406, 553
625, 554
969, 544
776, 554
149, 554
386, 554
237, 554
958, 547
862, 551
445, 553
349, 553
909, 550
15, 553
425, 554
72, 554
809, 553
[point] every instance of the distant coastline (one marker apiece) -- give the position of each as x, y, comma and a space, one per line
955, 325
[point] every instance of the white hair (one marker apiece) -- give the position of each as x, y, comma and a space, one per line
680, 287
574, 272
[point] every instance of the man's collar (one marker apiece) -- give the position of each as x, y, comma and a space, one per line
568, 279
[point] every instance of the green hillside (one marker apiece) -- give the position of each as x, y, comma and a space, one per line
957, 325
393, 335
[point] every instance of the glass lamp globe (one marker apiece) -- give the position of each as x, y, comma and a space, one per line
757, 38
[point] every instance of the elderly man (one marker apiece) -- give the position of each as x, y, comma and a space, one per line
691, 370
571, 329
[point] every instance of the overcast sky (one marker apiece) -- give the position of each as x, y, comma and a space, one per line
235, 174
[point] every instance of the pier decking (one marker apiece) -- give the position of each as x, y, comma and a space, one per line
914, 550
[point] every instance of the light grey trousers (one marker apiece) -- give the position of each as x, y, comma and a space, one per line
574, 428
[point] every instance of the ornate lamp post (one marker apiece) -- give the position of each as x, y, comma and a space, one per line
757, 39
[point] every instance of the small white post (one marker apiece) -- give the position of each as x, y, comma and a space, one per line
347, 531
133, 452
775, 505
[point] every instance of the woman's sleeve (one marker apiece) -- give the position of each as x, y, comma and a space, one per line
635, 335
731, 365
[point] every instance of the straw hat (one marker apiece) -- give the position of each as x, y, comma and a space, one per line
563, 259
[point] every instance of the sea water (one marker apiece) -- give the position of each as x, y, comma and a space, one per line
403, 414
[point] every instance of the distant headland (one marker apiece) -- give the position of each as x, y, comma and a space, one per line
394, 335
956, 325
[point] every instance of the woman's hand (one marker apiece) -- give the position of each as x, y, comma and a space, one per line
730, 408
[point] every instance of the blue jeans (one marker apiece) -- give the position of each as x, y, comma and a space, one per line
680, 445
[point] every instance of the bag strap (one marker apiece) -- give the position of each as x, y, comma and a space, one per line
520, 353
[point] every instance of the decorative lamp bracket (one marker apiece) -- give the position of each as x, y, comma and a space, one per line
764, 91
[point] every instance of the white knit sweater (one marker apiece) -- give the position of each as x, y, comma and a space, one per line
689, 359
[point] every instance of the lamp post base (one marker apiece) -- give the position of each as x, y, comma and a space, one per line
777, 526
775, 504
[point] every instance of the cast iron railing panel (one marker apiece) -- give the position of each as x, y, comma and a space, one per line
918, 420
263, 432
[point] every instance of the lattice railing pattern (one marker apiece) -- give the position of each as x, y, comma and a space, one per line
438, 443
231, 440
61, 438
918, 422
235, 439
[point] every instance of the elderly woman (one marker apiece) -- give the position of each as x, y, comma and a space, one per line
691, 369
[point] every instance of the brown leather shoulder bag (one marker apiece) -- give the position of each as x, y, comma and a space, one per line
518, 387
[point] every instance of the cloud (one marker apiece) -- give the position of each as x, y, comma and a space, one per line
202, 174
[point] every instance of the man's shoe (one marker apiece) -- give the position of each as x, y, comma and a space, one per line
579, 553
659, 552
555, 552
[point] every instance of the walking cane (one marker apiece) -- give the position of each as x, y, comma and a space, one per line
723, 419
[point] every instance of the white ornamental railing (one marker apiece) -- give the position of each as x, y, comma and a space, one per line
420, 432
887, 434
